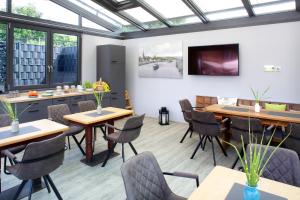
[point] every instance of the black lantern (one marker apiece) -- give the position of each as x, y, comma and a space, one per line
163, 116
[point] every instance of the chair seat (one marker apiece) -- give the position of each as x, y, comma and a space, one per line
73, 130
114, 136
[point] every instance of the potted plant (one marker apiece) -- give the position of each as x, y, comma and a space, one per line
11, 111
258, 97
88, 86
254, 164
100, 93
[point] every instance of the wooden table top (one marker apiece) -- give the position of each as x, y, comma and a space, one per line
218, 183
44, 127
84, 118
216, 108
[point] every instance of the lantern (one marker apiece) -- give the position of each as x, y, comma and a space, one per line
163, 116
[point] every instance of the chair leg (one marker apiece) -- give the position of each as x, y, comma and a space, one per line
19, 190
213, 150
221, 146
78, 144
133, 149
47, 184
69, 144
103, 130
108, 154
123, 154
187, 131
237, 158
5, 166
203, 146
198, 146
30, 190
53, 187
82, 139
191, 132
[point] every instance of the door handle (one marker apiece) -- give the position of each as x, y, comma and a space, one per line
49, 68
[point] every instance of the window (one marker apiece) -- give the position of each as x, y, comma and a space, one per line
272, 6
89, 24
44, 9
217, 5
3, 56
2, 5
184, 20
140, 14
227, 14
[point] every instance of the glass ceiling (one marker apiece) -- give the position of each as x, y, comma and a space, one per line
136, 18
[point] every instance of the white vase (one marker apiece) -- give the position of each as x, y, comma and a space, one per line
257, 107
15, 126
99, 109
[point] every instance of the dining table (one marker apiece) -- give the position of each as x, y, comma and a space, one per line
28, 132
88, 120
227, 184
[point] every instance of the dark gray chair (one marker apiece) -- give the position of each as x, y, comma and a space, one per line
208, 128
284, 166
240, 127
293, 141
39, 160
143, 179
6, 121
56, 113
131, 130
187, 108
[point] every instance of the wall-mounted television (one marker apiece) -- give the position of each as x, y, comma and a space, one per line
214, 60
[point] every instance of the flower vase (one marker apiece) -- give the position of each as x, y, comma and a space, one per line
15, 126
251, 193
257, 107
99, 109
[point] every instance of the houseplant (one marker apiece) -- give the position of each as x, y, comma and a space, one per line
100, 93
88, 86
258, 96
254, 164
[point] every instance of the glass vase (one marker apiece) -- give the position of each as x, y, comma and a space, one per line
99, 109
251, 193
15, 126
257, 107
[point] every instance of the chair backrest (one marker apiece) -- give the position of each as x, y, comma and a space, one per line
4, 120
57, 112
87, 105
240, 126
284, 165
293, 141
41, 158
143, 178
186, 108
205, 123
132, 128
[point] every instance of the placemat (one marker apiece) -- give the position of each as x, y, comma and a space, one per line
23, 130
284, 114
236, 109
95, 114
236, 193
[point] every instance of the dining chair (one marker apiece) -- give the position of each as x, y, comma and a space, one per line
208, 128
56, 113
187, 108
240, 128
39, 160
89, 105
6, 121
130, 131
284, 165
143, 179
293, 141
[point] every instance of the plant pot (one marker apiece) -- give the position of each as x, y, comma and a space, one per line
251, 193
99, 109
15, 126
257, 107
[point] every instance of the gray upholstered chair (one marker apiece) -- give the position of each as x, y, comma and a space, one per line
187, 108
39, 160
56, 113
208, 128
284, 165
240, 127
143, 179
131, 131
293, 141
6, 121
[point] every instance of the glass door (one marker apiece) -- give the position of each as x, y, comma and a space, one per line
3, 56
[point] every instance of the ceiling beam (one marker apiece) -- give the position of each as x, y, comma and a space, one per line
298, 5
82, 12
248, 7
153, 12
198, 12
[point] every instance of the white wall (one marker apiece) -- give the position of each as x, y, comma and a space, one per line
277, 44
89, 60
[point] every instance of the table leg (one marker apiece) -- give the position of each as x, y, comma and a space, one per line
110, 131
89, 143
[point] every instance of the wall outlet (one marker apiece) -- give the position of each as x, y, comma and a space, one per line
272, 68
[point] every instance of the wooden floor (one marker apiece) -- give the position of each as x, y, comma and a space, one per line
76, 181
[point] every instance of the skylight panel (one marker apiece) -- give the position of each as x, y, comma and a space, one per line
140, 14
227, 14
89, 24
184, 20
274, 7
217, 5
255, 2
2, 5
170, 8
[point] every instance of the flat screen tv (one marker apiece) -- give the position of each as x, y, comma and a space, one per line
215, 60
